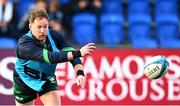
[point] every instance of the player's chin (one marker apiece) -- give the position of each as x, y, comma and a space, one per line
41, 38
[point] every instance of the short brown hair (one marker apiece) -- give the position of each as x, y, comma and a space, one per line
37, 13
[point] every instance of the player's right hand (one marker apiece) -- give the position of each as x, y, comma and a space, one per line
88, 49
81, 81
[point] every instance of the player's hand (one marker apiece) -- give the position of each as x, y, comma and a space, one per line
88, 49
81, 81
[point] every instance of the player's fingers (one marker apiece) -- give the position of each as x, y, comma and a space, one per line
78, 82
91, 44
91, 50
82, 82
89, 53
92, 47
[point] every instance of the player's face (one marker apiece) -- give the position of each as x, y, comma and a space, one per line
39, 28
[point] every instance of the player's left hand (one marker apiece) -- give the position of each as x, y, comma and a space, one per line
81, 81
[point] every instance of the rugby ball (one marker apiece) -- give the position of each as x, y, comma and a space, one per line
156, 67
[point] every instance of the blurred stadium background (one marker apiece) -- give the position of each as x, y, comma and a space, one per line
127, 33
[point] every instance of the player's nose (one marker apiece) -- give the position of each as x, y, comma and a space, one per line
42, 30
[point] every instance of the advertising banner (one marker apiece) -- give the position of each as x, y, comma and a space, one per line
114, 77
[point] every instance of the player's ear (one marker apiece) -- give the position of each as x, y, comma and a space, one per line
30, 25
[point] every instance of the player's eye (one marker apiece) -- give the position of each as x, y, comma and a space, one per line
45, 26
39, 27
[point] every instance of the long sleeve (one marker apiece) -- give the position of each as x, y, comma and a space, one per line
63, 45
28, 49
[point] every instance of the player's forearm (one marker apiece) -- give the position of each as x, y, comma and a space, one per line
57, 57
48, 56
76, 61
67, 56
79, 69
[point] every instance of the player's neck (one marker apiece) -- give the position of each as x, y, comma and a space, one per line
42, 42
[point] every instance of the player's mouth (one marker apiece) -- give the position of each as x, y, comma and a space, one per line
42, 36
